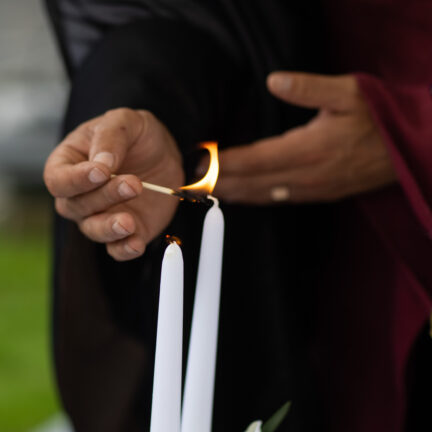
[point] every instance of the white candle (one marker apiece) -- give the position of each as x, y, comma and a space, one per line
199, 384
167, 379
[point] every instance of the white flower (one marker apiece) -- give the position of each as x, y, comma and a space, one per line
255, 427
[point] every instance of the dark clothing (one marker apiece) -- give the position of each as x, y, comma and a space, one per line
388, 44
321, 304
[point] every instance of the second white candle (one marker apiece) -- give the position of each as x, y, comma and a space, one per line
200, 374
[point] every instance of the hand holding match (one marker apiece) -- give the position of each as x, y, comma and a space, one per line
115, 211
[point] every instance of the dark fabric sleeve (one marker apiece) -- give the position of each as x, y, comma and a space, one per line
80, 24
183, 74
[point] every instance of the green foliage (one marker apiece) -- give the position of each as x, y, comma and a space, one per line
276, 419
26, 389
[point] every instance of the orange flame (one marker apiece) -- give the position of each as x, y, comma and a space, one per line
208, 182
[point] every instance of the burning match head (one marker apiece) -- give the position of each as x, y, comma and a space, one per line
193, 196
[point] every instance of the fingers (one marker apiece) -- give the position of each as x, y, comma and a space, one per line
119, 189
65, 180
294, 148
90, 154
128, 249
120, 231
337, 93
307, 184
115, 133
78, 173
108, 227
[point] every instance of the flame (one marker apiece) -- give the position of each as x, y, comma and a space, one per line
172, 239
208, 182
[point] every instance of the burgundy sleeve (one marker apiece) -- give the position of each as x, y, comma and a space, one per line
404, 116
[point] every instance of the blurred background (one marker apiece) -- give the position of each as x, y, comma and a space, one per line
32, 96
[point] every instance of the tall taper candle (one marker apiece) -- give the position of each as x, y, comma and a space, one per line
199, 384
167, 381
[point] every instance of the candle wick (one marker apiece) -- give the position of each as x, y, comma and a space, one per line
214, 199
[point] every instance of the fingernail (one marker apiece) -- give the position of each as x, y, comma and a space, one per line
125, 190
130, 250
119, 229
97, 176
280, 82
105, 158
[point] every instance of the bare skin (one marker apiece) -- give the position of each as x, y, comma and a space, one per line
117, 212
339, 153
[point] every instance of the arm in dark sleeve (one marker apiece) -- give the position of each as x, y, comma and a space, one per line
176, 71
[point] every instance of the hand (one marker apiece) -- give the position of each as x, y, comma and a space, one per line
118, 212
337, 154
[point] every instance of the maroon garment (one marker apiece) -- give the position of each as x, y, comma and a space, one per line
381, 297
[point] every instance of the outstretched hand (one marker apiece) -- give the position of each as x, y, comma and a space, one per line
135, 146
337, 154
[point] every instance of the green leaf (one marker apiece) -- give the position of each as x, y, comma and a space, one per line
277, 418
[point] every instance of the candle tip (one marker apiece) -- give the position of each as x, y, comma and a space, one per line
214, 199
172, 249
174, 244
172, 239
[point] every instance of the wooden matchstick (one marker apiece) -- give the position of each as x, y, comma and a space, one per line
182, 194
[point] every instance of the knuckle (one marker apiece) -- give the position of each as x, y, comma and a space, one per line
148, 120
100, 128
116, 121
116, 112
121, 114
80, 206
147, 116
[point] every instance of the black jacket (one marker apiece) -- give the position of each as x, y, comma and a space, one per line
200, 67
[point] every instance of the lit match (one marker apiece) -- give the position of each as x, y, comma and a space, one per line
196, 192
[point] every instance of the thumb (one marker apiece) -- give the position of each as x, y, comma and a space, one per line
113, 135
337, 93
